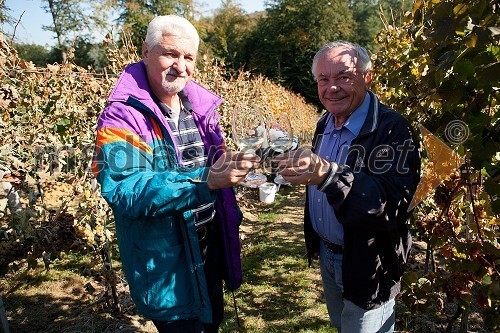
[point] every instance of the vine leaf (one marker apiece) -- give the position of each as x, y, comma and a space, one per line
443, 161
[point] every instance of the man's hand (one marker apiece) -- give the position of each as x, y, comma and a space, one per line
302, 166
231, 168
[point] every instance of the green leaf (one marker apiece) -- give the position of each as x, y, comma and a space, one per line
410, 278
460, 9
424, 284
445, 28
464, 69
479, 9
495, 206
446, 59
442, 12
491, 186
452, 92
63, 122
489, 73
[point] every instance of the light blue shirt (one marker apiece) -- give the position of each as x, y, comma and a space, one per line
333, 146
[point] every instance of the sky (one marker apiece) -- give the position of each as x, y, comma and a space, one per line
29, 30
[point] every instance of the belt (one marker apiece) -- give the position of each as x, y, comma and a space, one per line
334, 248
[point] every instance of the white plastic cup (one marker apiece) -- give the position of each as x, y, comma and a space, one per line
267, 192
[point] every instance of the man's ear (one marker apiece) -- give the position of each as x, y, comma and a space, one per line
144, 51
368, 78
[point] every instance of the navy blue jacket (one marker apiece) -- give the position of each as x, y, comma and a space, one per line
371, 197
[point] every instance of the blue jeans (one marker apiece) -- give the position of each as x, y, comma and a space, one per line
345, 315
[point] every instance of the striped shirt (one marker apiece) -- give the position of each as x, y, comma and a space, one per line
191, 148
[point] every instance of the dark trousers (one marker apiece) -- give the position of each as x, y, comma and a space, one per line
179, 326
210, 242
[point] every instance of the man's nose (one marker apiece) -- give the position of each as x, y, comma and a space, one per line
333, 84
180, 63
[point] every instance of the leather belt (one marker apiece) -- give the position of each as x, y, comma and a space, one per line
334, 248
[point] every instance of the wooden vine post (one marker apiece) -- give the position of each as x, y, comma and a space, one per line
4, 325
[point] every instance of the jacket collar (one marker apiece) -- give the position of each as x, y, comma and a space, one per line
133, 88
133, 82
370, 124
373, 116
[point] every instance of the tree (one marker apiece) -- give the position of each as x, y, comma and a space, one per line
285, 40
91, 55
135, 15
70, 18
37, 54
4, 13
85, 54
367, 15
226, 34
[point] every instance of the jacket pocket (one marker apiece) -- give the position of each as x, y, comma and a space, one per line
162, 279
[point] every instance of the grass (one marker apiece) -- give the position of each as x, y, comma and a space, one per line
280, 292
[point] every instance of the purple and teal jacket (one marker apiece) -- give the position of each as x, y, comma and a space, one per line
137, 165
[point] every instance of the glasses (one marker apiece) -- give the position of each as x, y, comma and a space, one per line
249, 134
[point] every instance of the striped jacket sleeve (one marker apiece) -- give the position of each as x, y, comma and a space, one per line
136, 171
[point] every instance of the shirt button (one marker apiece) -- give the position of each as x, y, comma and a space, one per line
327, 157
335, 135
319, 219
319, 200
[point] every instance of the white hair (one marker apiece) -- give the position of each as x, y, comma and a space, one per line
364, 65
172, 25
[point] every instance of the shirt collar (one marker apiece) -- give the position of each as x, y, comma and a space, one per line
185, 101
186, 105
355, 120
358, 117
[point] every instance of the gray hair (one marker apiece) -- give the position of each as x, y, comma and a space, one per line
364, 65
170, 25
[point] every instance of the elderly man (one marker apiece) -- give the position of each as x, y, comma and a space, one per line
162, 167
361, 174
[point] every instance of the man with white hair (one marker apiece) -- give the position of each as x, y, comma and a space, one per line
161, 161
362, 173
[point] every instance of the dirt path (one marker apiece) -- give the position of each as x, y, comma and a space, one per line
291, 212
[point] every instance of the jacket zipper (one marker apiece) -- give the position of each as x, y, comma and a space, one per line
140, 106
